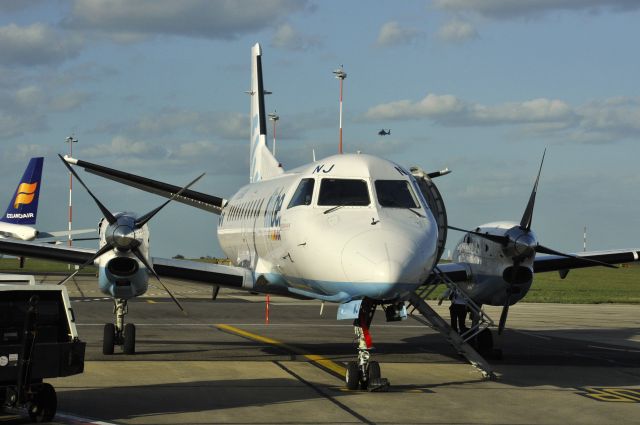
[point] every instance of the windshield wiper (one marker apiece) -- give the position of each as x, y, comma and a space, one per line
415, 212
332, 209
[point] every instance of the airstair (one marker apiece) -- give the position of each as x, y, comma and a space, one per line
479, 319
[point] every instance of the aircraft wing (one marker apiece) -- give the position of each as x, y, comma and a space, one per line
46, 251
549, 263
193, 271
207, 273
64, 233
460, 272
190, 197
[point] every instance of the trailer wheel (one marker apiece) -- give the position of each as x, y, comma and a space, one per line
44, 404
108, 339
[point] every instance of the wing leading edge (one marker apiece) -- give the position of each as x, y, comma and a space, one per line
460, 272
190, 197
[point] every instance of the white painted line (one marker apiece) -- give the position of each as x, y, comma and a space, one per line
76, 420
614, 349
532, 334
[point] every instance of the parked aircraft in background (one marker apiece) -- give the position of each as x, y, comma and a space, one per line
19, 219
384, 133
352, 229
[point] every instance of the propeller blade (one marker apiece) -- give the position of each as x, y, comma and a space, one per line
525, 223
507, 301
495, 238
141, 257
546, 250
148, 216
107, 214
103, 250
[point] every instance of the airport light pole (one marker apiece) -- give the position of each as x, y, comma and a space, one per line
274, 117
71, 140
340, 75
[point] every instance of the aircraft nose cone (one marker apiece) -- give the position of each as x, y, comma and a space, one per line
383, 257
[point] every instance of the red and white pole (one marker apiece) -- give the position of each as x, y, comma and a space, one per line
274, 117
340, 75
71, 140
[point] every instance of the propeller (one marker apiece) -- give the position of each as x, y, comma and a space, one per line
121, 233
523, 245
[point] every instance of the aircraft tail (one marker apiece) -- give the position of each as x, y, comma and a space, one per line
23, 207
262, 163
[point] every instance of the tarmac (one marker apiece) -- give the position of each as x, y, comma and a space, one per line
224, 364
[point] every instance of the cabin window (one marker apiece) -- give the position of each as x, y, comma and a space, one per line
349, 192
303, 193
395, 194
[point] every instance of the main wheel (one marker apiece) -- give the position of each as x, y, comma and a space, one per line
44, 404
108, 339
374, 370
129, 338
353, 376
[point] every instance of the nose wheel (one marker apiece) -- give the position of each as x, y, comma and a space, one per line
119, 333
364, 373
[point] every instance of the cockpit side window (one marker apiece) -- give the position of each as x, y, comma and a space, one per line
303, 193
343, 192
395, 194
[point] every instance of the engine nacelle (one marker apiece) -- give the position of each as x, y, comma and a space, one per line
123, 277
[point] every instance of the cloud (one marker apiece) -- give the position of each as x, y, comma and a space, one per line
24, 110
143, 156
599, 121
393, 34
507, 9
449, 110
127, 21
287, 37
36, 44
457, 31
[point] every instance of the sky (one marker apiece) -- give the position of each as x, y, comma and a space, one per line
156, 88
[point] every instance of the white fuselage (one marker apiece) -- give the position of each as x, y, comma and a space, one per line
319, 247
17, 231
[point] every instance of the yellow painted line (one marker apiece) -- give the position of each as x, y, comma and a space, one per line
151, 302
319, 360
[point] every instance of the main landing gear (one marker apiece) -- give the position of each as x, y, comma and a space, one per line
365, 373
119, 334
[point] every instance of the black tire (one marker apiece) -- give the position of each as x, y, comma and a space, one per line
352, 377
129, 346
108, 339
44, 404
374, 370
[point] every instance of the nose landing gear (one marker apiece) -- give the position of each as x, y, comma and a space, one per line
119, 334
364, 373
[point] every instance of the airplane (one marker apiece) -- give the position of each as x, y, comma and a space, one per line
498, 261
21, 214
352, 229
384, 133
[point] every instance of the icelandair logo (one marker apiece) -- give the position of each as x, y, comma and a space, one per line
25, 195
27, 215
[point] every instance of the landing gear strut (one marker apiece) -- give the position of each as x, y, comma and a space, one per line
365, 373
119, 334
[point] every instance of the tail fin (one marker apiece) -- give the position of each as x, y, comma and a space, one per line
23, 207
262, 163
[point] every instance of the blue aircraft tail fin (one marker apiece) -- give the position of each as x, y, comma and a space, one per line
23, 207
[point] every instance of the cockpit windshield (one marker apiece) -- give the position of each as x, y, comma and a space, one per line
343, 192
395, 194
